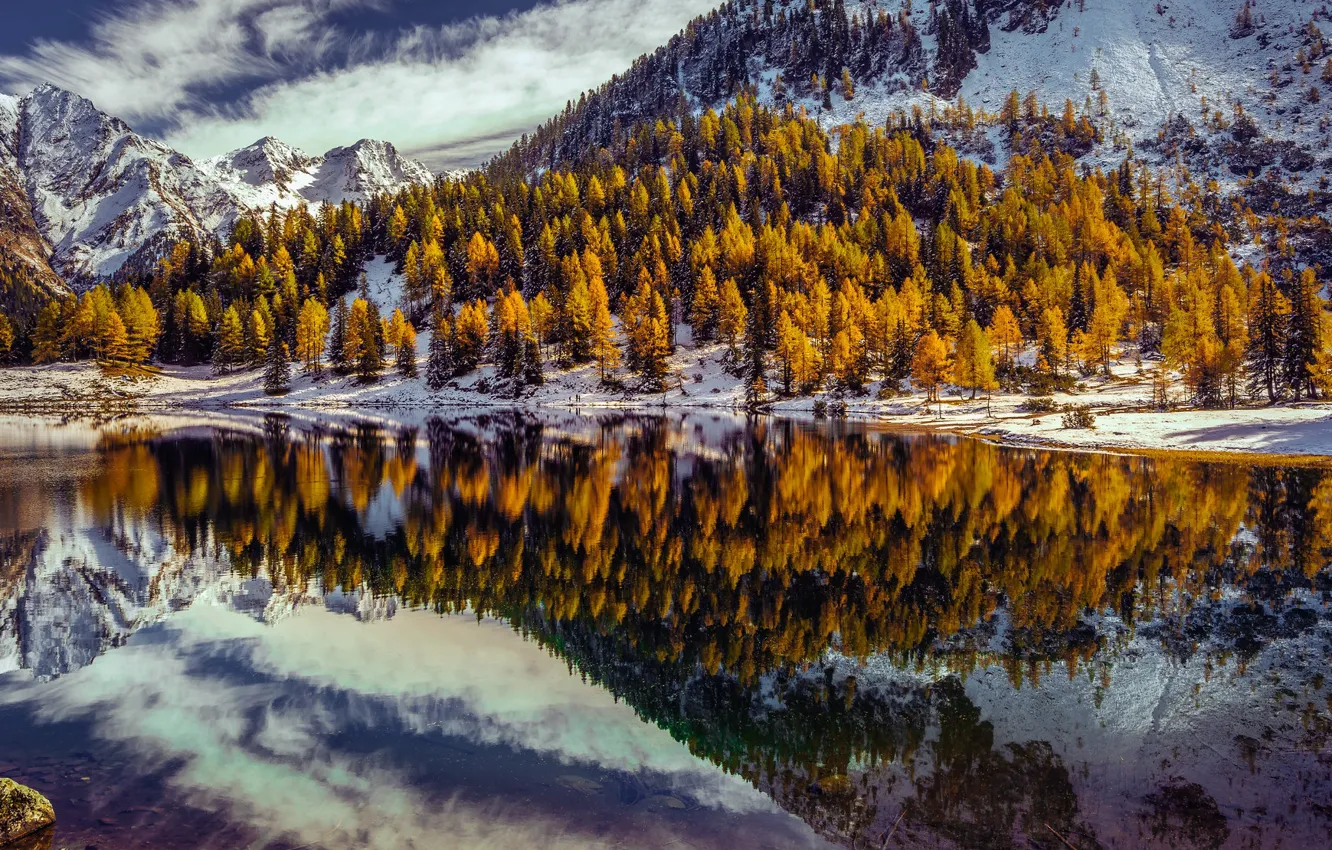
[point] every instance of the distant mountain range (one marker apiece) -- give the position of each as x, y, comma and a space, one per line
83, 195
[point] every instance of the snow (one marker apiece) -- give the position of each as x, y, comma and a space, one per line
101, 194
272, 172
700, 380
385, 285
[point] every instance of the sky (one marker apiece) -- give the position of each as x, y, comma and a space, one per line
450, 82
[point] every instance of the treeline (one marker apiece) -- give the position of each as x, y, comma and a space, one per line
818, 261
819, 51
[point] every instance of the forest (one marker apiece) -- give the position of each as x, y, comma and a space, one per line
817, 259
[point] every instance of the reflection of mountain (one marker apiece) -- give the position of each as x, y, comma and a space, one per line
1022, 615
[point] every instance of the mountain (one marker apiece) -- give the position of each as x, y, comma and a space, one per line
24, 252
270, 171
1225, 88
86, 196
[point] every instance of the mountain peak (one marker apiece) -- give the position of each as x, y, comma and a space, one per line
97, 196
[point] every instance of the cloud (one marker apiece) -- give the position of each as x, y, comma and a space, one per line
451, 95
255, 722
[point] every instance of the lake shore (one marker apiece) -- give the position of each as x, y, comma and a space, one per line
1124, 421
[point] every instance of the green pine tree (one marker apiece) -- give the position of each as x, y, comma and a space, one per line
439, 366
277, 372
337, 339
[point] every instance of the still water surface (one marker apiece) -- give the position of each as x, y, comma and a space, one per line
571, 632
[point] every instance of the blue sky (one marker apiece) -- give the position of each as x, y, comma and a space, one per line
449, 82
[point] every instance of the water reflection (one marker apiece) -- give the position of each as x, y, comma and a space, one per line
943, 641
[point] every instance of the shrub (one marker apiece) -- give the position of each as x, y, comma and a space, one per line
1039, 404
1079, 417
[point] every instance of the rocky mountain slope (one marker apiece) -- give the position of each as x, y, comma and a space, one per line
85, 195
1223, 90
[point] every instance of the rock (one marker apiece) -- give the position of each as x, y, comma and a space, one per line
22, 811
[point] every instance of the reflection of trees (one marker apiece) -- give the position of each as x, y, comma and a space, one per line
699, 584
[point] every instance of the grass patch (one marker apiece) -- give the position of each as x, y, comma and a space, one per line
133, 371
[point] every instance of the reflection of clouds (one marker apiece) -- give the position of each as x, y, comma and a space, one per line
513, 693
251, 745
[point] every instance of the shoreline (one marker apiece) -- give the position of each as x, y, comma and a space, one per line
1281, 434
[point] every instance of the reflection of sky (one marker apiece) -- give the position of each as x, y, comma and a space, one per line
324, 729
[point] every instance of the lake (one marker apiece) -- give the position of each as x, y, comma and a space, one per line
511, 630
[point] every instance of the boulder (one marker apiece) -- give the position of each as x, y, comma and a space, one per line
23, 811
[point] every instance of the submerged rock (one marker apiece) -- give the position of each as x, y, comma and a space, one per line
23, 811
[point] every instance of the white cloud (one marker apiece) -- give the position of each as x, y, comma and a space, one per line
265, 747
451, 94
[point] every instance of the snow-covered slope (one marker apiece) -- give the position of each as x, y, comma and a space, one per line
21, 244
101, 193
89, 195
272, 172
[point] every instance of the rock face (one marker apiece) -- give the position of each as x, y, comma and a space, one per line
22, 811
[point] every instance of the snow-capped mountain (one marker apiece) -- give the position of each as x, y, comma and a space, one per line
271, 171
100, 193
21, 243
85, 195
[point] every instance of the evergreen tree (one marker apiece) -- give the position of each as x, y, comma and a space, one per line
46, 346
532, 373
6, 338
337, 339
370, 364
439, 367
1269, 312
277, 371
1304, 336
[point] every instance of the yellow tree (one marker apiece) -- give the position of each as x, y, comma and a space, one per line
732, 315
482, 263
543, 318
1107, 319
703, 310
647, 328
143, 326
930, 365
312, 326
469, 334
230, 351
6, 338
1052, 339
604, 349
260, 335
973, 362
795, 356
1005, 334
405, 341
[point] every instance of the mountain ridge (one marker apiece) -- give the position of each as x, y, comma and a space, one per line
87, 197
